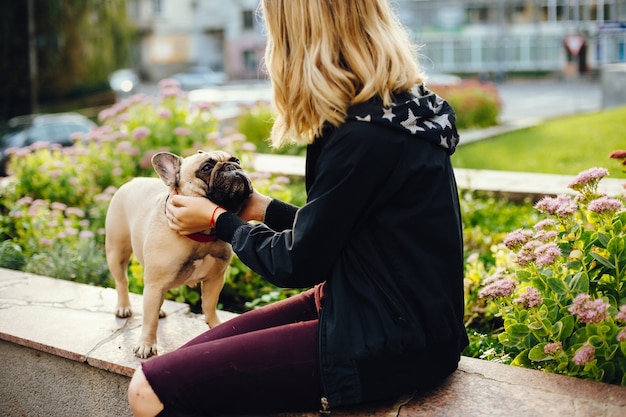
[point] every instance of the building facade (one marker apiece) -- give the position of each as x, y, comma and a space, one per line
460, 36
175, 35
499, 36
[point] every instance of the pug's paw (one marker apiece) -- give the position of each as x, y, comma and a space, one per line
123, 312
144, 351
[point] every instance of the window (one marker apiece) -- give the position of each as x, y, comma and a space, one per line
249, 59
248, 19
157, 7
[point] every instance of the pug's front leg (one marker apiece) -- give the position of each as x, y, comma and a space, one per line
152, 300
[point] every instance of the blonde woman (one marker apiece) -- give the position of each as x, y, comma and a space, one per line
378, 240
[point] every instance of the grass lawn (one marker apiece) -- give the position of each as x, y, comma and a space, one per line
566, 146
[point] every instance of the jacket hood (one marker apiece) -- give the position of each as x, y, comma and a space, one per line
420, 112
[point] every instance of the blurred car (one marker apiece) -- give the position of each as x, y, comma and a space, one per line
50, 128
200, 77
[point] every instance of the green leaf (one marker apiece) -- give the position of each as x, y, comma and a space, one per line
579, 282
557, 285
601, 259
522, 360
557, 328
595, 341
616, 245
518, 331
603, 239
537, 353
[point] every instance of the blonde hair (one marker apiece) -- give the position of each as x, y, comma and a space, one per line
323, 56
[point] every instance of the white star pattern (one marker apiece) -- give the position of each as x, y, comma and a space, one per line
388, 113
411, 123
427, 116
443, 120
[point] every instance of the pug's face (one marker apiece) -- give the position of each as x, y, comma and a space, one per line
216, 175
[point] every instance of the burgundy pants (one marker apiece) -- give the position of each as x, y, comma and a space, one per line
262, 361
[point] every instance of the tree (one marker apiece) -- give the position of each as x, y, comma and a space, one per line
79, 43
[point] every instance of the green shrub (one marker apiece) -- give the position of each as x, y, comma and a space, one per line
558, 289
53, 208
476, 104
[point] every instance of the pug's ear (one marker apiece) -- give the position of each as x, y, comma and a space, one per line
167, 165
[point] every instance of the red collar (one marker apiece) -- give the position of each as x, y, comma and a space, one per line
201, 237
198, 237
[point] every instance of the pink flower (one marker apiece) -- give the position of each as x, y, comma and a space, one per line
561, 206
588, 310
140, 133
169, 83
546, 254
552, 348
282, 180
584, 355
204, 105
500, 288
517, 238
248, 147
605, 205
182, 131
276, 187
45, 242
164, 113
621, 316
545, 224
74, 211
527, 253
588, 179
545, 235
529, 298
58, 206
621, 337
86, 234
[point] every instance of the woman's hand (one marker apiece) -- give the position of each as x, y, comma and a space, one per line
255, 207
188, 215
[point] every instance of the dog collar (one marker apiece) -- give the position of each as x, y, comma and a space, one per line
201, 237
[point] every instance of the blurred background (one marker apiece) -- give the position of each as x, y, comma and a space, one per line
59, 55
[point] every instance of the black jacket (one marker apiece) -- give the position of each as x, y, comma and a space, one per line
382, 227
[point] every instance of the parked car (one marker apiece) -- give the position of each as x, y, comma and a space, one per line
50, 128
200, 77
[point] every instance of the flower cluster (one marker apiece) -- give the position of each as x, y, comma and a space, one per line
588, 310
562, 297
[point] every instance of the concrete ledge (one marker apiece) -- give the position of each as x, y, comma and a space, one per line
515, 185
65, 354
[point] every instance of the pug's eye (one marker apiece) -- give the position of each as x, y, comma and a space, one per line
235, 160
208, 166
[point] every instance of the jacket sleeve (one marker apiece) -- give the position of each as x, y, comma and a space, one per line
350, 173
